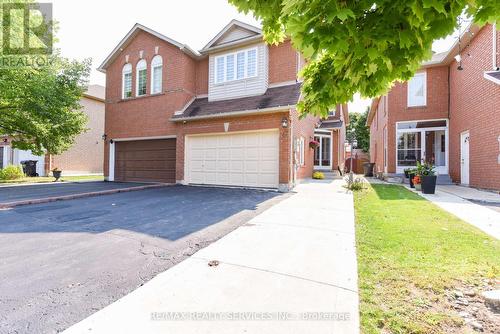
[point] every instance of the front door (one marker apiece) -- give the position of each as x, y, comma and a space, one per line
464, 158
323, 153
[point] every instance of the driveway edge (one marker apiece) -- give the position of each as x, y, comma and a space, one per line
9, 205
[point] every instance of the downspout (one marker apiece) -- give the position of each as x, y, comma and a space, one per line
494, 51
449, 91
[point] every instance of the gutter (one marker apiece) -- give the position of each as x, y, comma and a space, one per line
236, 113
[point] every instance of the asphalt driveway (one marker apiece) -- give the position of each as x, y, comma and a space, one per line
36, 191
63, 261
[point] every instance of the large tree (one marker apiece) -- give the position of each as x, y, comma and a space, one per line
361, 46
358, 130
40, 95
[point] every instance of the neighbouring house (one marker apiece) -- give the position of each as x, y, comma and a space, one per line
84, 157
225, 115
448, 114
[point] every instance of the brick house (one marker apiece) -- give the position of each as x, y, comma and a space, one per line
222, 116
448, 113
84, 157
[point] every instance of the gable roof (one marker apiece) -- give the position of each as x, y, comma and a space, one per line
247, 33
132, 33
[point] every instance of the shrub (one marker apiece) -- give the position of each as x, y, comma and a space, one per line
355, 185
318, 176
11, 173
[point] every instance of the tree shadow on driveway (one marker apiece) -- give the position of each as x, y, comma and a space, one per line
170, 213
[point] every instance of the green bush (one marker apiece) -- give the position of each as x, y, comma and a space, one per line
11, 172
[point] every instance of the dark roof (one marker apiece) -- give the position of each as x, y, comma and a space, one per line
282, 96
330, 124
493, 76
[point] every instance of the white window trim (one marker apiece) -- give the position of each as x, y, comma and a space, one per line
235, 64
153, 67
123, 80
137, 70
408, 98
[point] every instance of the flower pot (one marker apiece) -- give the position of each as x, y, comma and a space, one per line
418, 186
57, 174
410, 177
429, 184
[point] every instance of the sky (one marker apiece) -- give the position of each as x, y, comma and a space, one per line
92, 28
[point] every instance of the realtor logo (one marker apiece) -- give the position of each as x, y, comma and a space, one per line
26, 28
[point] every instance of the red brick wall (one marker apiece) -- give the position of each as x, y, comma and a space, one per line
304, 128
475, 106
398, 110
236, 124
377, 128
202, 77
282, 63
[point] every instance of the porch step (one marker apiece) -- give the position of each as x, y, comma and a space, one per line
442, 179
329, 175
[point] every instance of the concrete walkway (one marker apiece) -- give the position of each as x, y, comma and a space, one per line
293, 262
457, 200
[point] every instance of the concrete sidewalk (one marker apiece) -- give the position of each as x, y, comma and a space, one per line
457, 201
295, 260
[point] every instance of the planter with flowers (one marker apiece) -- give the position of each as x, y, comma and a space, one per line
411, 174
313, 144
417, 182
56, 173
428, 177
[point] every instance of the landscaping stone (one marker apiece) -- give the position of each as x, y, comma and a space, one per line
476, 325
462, 301
492, 298
470, 293
464, 314
458, 294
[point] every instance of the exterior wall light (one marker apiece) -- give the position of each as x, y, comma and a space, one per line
104, 136
284, 122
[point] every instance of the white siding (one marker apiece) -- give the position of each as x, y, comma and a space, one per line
244, 87
234, 34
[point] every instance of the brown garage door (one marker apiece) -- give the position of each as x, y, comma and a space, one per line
145, 160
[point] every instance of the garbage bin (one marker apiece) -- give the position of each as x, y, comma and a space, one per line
368, 168
29, 167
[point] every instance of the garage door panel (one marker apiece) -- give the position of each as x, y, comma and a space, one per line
243, 159
145, 160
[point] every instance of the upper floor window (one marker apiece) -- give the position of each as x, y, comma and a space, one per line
417, 90
141, 77
235, 66
127, 81
156, 74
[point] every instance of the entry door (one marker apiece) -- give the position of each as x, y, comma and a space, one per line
464, 158
323, 153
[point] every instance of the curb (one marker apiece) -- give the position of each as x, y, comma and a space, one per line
9, 205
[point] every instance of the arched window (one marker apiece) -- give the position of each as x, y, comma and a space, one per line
127, 81
156, 74
141, 77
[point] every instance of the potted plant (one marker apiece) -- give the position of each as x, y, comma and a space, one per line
417, 182
411, 174
428, 178
56, 173
313, 144
407, 172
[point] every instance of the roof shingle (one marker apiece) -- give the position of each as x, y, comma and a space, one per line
275, 97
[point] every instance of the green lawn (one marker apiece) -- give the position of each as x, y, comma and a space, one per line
46, 179
410, 252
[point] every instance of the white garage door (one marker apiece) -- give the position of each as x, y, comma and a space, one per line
242, 159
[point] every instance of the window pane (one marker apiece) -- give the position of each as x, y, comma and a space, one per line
127, 85
230, 67
424, 124
157, 80
240, 65
325, 151
416, 90
141, 90
409, 150
251, 63
220, 69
